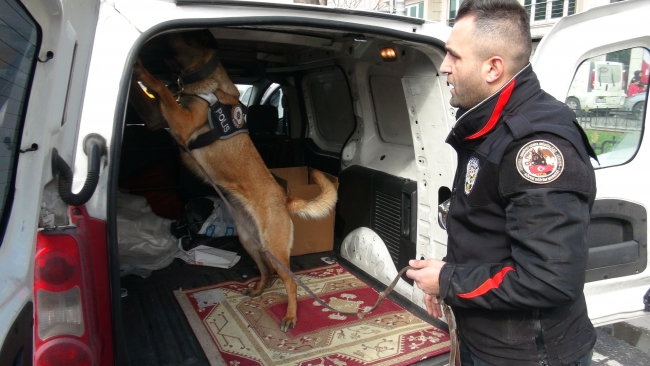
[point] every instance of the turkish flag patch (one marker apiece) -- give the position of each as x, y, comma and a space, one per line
540, 162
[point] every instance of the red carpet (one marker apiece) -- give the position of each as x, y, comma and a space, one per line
237, 330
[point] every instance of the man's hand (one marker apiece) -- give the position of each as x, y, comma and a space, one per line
433, 307
426, 277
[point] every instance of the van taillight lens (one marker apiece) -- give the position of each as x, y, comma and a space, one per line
56, 267
64, 352
60, 306
59, 313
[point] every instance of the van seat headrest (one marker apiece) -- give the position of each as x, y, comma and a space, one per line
262, 119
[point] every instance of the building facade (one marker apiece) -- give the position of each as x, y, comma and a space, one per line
543, 13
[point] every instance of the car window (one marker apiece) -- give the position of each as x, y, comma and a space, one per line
18, 44
245, 92
274, 96
608, 95
276, 100
391, 112
332, 106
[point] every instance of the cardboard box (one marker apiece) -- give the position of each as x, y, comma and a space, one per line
311, 235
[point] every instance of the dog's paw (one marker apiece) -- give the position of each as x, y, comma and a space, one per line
288, 322
252, 293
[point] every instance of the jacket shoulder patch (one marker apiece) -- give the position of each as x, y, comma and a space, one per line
540, 162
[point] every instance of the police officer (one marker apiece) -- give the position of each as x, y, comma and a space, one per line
521, 201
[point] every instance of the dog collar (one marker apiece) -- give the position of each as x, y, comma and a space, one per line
200, 74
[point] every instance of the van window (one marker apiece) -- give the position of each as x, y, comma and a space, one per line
245, 92
276, 100
18, 44
332, 106
391, 112
608, 95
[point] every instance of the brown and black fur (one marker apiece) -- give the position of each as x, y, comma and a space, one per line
262, 208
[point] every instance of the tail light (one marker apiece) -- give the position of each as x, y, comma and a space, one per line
592, 81
71, 296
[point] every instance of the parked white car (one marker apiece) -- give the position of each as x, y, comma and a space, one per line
378, 123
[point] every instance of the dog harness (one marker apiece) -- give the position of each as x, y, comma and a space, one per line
225, 121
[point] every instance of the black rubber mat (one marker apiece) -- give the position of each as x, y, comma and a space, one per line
156, 330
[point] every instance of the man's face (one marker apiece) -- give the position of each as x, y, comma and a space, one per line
463, 67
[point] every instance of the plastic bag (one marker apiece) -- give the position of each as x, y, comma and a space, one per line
212, 215
205, 217
143, 238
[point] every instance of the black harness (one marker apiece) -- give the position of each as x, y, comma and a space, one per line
225, 120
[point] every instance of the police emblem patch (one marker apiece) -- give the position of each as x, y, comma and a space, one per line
540, 162
470, 177
237, 116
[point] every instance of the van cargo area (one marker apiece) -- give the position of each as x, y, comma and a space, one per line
312, 88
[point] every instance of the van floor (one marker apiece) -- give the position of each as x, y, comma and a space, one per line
156, 330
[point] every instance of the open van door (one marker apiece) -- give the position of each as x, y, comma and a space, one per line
45, 48
618, 277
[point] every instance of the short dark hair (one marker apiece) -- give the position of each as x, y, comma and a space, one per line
501, 19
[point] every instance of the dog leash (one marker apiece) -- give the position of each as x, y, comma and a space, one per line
454, 354
454, 347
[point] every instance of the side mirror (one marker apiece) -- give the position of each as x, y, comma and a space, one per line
443, 211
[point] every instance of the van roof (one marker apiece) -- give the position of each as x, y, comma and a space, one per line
283, 4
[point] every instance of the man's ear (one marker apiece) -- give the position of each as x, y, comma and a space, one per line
495, 69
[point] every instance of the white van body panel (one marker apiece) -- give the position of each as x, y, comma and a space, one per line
610, 29
114, 40
55, 90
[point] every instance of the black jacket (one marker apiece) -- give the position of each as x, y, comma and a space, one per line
517, 225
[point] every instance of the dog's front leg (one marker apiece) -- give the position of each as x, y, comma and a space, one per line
147, 108
183, 121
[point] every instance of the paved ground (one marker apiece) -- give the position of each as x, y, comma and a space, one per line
623, 344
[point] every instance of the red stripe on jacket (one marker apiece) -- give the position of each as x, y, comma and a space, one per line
488, 285
501, 103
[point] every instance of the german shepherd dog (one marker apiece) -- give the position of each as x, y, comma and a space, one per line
261, 207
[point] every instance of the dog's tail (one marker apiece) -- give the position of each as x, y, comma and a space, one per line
318, 207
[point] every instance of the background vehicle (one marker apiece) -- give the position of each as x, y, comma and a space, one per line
636, 104
378, 123
597, 85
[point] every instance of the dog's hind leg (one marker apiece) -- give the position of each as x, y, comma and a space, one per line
265, 272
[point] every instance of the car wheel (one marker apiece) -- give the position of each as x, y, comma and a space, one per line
574, 104
637, 110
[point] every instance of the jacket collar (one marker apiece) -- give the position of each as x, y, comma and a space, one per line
478, 121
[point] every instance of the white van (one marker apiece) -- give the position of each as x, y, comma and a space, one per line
378, 124
597, 85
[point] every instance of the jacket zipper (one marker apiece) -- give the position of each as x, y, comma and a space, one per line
454, 188
539, 339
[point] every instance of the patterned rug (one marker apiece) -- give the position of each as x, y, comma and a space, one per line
237, 330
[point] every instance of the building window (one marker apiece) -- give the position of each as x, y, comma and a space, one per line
453, 9
416, 10
541, 10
